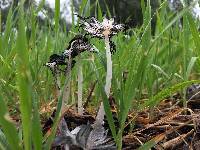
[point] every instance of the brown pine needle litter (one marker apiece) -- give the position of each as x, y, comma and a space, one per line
177, 127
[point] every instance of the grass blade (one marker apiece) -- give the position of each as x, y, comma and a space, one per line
190, 66
3, 141
195, 34
36, 126
8, 127
166, 92
7, 31
23, 80
55, 125
57, 15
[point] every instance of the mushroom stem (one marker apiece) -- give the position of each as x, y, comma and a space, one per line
109, 67
108, 73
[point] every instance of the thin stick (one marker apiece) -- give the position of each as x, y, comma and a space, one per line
66, 89
57, 83
80, 87
90, 94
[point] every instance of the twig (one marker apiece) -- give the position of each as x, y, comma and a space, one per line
90, 95
66, 88
57, 83
80, 87
178, 123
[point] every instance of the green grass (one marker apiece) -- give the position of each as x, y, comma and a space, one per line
159, 64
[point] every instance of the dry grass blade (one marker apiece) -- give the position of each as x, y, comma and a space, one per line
162, 120
178, 140
196, 120
159, 138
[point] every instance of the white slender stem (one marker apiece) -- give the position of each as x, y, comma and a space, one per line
108, 73
109, 67
100, 115
80, 87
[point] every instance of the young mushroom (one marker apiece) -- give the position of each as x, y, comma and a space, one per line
55, 61
103, 30
76, 46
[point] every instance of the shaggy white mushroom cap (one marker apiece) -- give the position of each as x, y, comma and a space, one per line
101, 29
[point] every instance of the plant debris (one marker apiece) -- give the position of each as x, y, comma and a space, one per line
172, 127
86, 136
